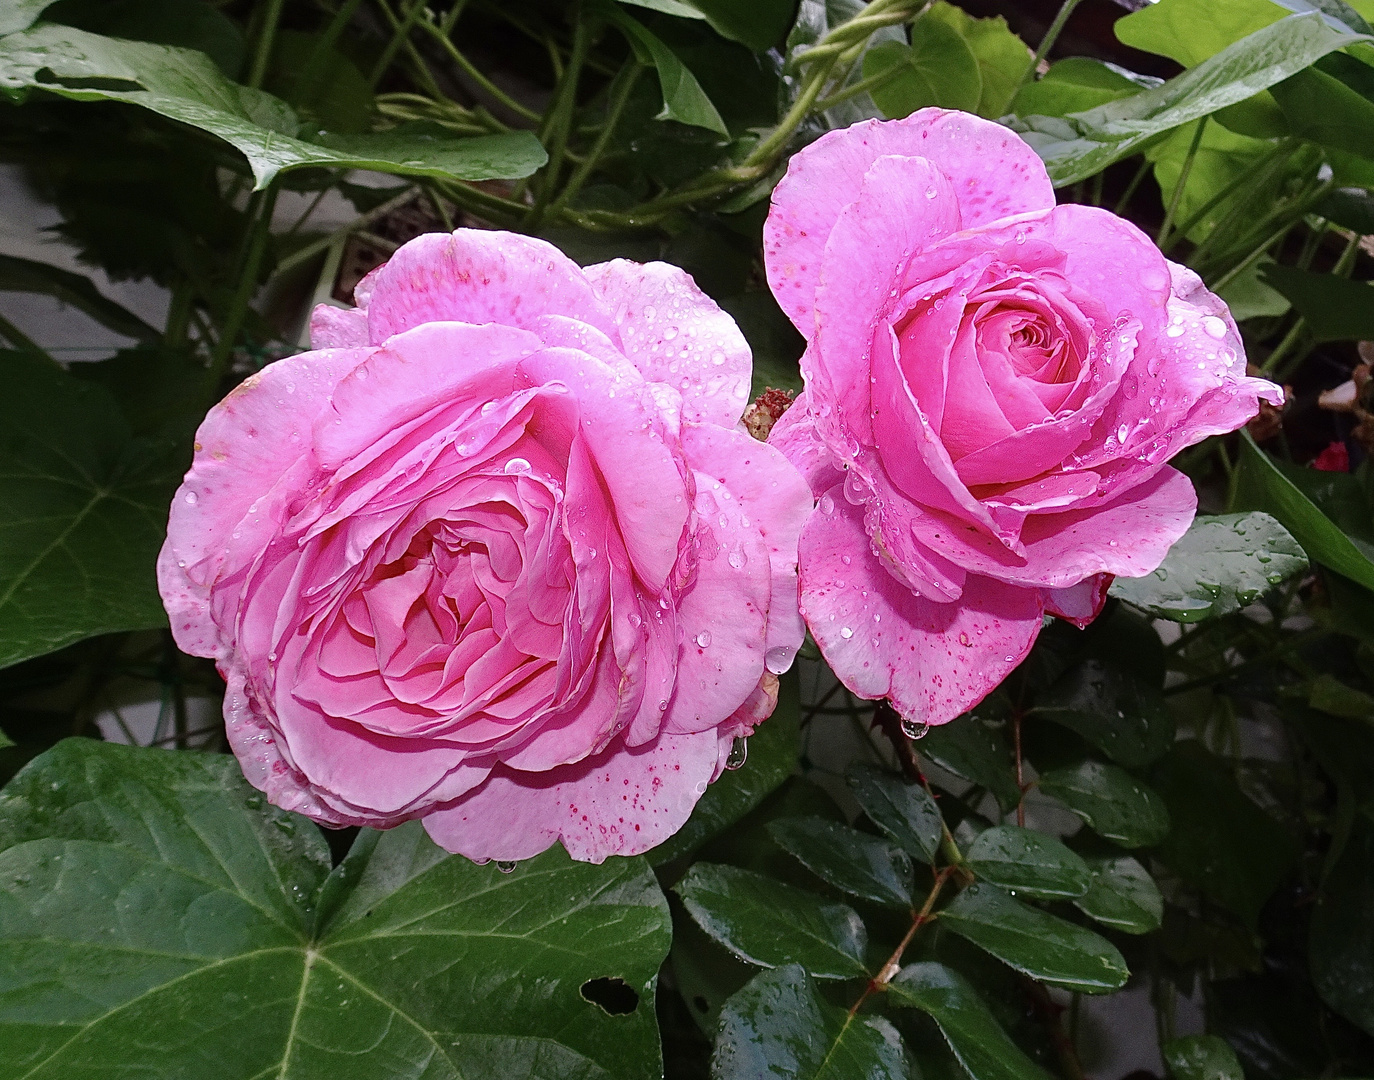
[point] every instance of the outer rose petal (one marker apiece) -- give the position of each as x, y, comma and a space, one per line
932, 660
994, 174
676, 334
337, 328
1079, 604
479, 277
621, 802
794, 435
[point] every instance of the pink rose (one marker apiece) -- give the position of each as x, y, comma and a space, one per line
496, 555
994, 385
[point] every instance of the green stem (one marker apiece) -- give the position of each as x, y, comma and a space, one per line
178, 315
262, 52
1245, 263
1163, 238
620, 97
490, 88
1046, 43
1257, 176
863, 86
1125, 199
399, 33
314, 64
259, 234
20, 340
558, 120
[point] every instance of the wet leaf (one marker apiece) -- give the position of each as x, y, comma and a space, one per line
1113, 803
854, 862
1028, 862
1122, 895
904, 811
1119, 713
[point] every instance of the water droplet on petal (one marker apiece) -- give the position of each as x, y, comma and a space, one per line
778, 659
704, 639
192, 498
1214, 326
846, 632
517, 466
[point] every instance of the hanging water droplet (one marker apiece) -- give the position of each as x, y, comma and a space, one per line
505, 867
778, 659
739, 753
913, 728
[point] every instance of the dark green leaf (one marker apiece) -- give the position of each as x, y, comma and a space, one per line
760, 24
906, 812
779, 1025
1325, 108
1220, 564
1350, 207
186, 86
853, 862
1201, 1057
1029, 862
1341, 941
164, 898
975, 747
976, 1038
770, 924
1122, 715
1111, 801
83, 509
683, 98
1263, 487
1081, 144
320, 81
1122, 895
1220, 841
5, 741
1335, 698
1336, 308
1035, 943
25, 275
772, 756
937, 68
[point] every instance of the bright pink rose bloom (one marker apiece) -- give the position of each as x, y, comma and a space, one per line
496, 555
994, 385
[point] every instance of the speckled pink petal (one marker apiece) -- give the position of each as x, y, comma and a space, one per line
479, 276
244, 446
932, 660
993, 172
794, 435
1079, 604
621, 802
337, 328
676, 334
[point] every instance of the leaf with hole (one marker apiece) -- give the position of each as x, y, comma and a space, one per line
1029, 862
1035, 943
142, 891
1113, 803
905, 812
854, 862
1122, 895
1119, 713
780, 1025
770, 924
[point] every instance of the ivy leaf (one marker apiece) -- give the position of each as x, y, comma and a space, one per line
1221, 564
1122, 895
770, 924
186, 85
937, 68
1201, 1057
83, 511
853, 862
978, 1041
1034, 942
905, 812
779, 1025
1026, 861
144, 893
1114, 804
1122, 715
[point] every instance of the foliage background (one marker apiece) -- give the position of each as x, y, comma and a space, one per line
1175, 803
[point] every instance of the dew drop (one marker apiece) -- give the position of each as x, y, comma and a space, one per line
1214, 326
737, 558
517, 466
846, 633
1174, 331
913, 728
704, 639
504, 866
192, 498
739, 753
778, 659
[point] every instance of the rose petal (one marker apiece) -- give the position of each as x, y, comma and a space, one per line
1079, 604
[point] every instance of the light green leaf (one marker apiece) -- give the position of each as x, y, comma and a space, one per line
1114, 803
937, 68
854, 862
1076, 84
669, 7
188, 87
83, 511
683, 98
1190, 31
906, 812
1201, 1057
1002, 56
1115, 710
972, 1032
1222, 160
770, 924
1221, 564
1249, 297
1122, 895
145, 893
1029, 862
1035, 943
18, 15
779, 1025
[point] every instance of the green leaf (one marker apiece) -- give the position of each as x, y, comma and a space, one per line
779, 1025
1122, 715
772, 756
1349, 207
1333, 697
683, 98
975, 747
1201, 1057
937, 68
1263, 487
1325, 108
1341, 939
1336, 308
1221, 164
1111, 801
1249, 297
1190, 31
1035, 943
1220, 841
1081, 144
320, 81
5, 741
83, 507
28, 276
770, 924
1122, 895
853, 862
760, 24
1221, 564
1002, 56
1026, 861
18, 15
1076, 84
146, 894
187, 86
978, 1041
906, 812
669, 7
187, 24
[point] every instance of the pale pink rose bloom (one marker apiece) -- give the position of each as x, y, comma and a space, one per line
496, 555
993, 388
